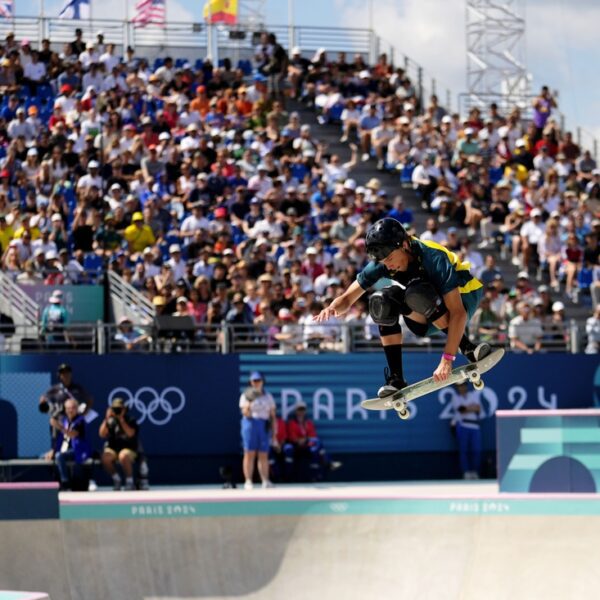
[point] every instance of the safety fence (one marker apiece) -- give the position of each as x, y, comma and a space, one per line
165, 335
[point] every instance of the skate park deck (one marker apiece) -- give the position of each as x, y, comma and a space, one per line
459, 540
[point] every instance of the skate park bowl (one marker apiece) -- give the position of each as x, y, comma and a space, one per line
414, 540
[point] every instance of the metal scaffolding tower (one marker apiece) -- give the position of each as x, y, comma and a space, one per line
252, 14
496, 67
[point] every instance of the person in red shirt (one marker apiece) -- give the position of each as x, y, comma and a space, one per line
303, 442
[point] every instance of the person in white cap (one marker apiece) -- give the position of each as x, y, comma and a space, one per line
19, 126
54, 319
531, 233
91, 178
260, 183
88, 56
178, 265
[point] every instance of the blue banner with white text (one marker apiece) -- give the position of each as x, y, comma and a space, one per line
188, 404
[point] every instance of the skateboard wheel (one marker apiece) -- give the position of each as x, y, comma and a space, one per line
404, 414
478, 385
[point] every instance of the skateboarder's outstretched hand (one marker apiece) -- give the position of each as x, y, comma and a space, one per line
326, 313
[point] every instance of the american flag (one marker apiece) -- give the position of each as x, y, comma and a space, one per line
149, 12
6, 9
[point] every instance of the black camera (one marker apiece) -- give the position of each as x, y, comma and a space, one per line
117, 410
53, 408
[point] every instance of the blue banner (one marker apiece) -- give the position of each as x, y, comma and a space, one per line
333, 385
188, 404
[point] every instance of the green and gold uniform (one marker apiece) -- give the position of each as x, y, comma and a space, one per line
435, 264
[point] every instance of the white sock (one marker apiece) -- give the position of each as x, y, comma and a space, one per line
116, 478
129, 481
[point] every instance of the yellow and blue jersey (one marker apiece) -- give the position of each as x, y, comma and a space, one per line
434, 263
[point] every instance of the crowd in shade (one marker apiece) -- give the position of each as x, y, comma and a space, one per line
197, 185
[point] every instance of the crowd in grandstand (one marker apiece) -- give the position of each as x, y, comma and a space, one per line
196, 185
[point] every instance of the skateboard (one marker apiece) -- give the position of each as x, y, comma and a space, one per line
470, 372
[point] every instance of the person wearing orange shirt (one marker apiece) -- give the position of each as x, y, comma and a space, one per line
201, 103
243, 105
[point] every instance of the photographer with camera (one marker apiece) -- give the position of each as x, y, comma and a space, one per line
70, 445
120, 430
259, 428
53, 401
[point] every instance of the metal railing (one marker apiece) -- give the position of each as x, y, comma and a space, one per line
74, 338
227, 338
15, 303
127, 301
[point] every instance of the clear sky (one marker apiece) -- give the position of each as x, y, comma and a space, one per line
562, 48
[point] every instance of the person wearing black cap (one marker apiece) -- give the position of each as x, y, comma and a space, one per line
259, 429
53, 400
120, 430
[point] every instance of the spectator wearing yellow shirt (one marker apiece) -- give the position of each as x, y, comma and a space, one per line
138, 234
6, 234
26, 226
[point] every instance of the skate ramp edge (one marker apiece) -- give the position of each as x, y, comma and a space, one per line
6, 595
338, 547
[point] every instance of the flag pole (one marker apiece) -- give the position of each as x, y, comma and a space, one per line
126, 31
165, 30
209, 31
42, 22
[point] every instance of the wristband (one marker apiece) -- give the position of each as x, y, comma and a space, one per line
449, 357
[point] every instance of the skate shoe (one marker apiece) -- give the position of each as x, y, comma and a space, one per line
392, 384
480, 351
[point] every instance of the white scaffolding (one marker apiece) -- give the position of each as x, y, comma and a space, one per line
496, 64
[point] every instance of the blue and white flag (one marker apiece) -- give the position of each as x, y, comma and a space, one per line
75, 9
6, 9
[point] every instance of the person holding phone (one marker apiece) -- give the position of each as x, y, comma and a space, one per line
120, 430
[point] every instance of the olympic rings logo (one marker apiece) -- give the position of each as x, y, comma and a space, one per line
149, 405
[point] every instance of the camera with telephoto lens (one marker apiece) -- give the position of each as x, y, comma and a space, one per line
117, 410
52, 408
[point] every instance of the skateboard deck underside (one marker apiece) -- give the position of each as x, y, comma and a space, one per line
426, 386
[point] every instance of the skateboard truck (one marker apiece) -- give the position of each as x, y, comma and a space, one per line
474, 377
401, 408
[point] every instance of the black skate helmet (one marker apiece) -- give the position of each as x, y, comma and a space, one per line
384, 237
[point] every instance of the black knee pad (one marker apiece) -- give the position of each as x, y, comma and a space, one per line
387, 304
419, 329
422, 298
390, 329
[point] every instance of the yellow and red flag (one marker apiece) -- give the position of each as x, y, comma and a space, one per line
221, 11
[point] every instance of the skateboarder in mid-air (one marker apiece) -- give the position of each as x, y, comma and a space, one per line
428, 285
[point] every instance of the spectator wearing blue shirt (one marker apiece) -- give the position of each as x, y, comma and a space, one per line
70, 444
9, 112
400, 213
366, 124
318, 199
